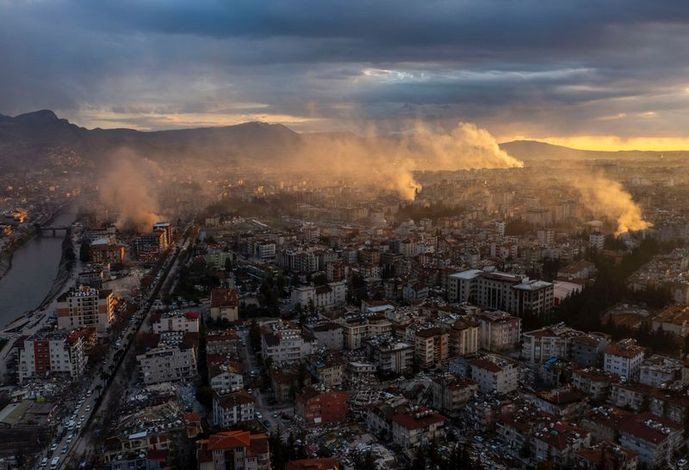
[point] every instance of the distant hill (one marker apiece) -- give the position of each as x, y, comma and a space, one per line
532, 151
33, 135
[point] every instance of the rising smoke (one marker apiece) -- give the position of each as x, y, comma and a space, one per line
603, 196
390, 162
125, 189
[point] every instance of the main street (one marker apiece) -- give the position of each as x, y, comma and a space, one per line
70, 449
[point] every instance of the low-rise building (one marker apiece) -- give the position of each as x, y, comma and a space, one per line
654, 439
494, 374
416, 428
593, 382
285, 343
657, 370
624, 358
173, 358
239, 450
322, 406
324, 297
232, 408
175, 320
224, 304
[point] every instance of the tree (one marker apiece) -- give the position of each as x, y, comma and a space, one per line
255, 335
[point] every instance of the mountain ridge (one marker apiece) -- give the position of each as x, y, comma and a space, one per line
34, 134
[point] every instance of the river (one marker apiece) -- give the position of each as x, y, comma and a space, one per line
34, 268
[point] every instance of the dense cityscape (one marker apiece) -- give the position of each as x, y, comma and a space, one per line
274, 323
326, 235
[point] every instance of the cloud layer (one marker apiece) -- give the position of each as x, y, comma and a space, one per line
613, 68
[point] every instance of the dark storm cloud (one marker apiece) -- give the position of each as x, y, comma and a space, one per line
520, 66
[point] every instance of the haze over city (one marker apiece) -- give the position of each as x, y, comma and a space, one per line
325, 235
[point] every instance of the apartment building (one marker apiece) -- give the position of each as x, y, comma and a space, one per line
654, 439
321, 406
232, 408
357, 330
431, 347
285, 343
494, 374
238, 450
624, 358
326, 297
416, 428
329, 335
172, 359
50, 353
86, 307
396, 357
499, 331
450, 393
224, 304
495, 290
464, 336
175, 321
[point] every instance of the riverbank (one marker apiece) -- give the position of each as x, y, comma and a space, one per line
42, 269
64, 274
8, 252
64, 271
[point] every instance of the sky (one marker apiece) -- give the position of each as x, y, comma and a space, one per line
589, 74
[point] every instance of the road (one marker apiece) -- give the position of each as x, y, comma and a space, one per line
71, 450
271, 414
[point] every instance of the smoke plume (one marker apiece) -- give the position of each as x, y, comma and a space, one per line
125, 189
606, 197
390, 163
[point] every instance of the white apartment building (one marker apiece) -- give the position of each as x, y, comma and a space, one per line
232, 408
357, 330
170, 361
597, 240
396, 357
461, 287
85, 306
546, 343
176, 321
624, 358
654, 439
226, 381
285, 343
325, 297
494, 374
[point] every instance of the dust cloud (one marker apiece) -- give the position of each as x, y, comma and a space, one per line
126, 189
